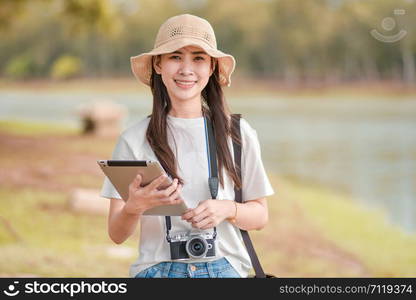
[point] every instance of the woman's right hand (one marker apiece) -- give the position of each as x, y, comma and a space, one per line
149, 196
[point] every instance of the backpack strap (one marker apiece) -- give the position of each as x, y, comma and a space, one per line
235, 128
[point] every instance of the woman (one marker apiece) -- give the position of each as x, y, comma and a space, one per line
186, 72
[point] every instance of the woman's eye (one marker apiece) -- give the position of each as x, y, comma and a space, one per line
175, 57
199, 58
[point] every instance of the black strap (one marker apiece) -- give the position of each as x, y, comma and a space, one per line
212, 149
235, 127
168, 227
212, 159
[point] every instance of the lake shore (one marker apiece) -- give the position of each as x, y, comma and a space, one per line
241, 85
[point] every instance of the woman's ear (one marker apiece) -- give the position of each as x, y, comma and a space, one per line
156, 64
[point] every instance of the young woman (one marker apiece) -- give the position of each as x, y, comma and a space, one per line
186, 72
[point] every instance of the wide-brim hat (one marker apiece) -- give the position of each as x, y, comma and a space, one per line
181, 31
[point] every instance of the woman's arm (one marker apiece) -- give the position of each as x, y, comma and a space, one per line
121, 224
251, 215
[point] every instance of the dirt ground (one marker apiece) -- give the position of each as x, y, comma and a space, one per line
41, 162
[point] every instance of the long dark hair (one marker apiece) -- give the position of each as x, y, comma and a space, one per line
215, 107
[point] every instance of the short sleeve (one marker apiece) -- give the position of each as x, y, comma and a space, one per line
121, 151
256, 184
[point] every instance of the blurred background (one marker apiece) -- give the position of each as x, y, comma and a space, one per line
329, 85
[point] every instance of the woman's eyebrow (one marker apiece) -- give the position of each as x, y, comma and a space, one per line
199, 52
195, 52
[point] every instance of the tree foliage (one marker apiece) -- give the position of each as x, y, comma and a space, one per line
293, 40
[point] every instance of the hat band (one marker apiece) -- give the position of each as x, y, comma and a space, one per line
182, 36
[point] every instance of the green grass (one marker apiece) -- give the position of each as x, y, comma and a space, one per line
385, 248
54, 241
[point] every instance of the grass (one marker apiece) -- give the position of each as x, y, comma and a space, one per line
385, 248
312, 232
34, 129
53, 241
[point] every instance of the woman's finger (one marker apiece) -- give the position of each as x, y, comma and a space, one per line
135, 184
170, 201
204, 223
168, 191
156, 183
178, 190
172, 197
202, 215
194, 212
137, 180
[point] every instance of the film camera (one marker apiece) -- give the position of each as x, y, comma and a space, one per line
192, 245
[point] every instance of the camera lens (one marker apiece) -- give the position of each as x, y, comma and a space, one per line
196, 247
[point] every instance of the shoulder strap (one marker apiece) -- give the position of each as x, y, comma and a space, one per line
212, 158
235, 127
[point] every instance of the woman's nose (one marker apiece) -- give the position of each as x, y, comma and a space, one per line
186, 68
186, 71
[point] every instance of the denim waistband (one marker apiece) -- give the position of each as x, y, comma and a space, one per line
197, 268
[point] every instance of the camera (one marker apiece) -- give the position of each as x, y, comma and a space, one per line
192, 245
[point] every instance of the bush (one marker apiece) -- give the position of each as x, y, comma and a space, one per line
20, 67
66, 67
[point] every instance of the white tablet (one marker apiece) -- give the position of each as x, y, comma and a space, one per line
122, 172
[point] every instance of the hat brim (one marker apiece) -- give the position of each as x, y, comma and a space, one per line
141, 65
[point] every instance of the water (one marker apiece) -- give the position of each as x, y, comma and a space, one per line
363, 147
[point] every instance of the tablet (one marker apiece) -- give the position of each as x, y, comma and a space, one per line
122, 172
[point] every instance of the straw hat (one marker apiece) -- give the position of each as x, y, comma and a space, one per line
181, 31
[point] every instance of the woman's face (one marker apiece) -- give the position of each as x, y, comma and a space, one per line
184, 72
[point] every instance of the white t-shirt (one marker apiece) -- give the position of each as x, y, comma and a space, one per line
192, 157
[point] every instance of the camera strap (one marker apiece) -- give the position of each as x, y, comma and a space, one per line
235, 128
212, 158
212, 171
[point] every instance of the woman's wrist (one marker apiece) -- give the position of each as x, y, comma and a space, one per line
233, 212
137, 211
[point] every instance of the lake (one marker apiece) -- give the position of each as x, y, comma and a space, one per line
363, 147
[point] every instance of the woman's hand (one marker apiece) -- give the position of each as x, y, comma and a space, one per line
209, 213
149, 196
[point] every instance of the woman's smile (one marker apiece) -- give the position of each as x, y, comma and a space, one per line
185, 84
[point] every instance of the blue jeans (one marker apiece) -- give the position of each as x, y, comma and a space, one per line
220, 268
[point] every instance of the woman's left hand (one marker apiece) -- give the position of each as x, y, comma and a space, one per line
209, 213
